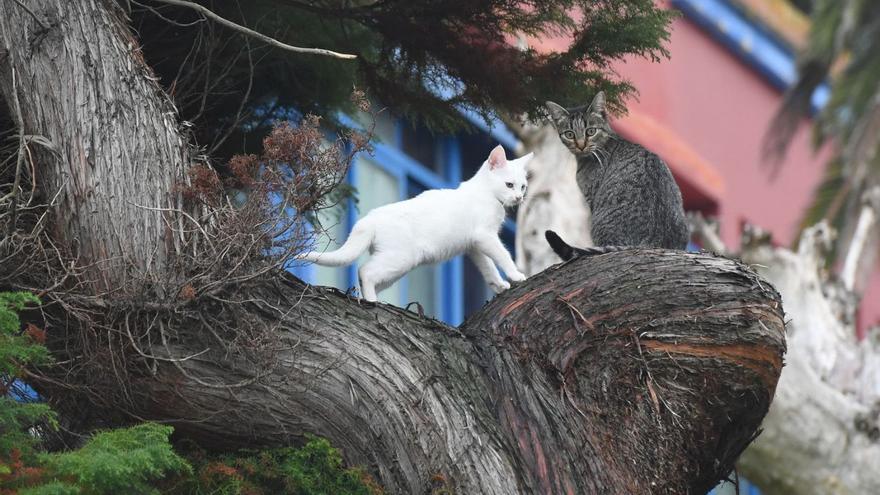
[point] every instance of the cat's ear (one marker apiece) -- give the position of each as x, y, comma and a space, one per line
497, 158
556, 112
598, 105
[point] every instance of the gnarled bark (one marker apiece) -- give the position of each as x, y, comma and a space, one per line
591, 377
635, 372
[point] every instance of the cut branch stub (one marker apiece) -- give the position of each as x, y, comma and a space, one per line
661, 366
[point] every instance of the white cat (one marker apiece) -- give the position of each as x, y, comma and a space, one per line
437, 225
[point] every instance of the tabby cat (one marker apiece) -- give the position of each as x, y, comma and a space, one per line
633, 199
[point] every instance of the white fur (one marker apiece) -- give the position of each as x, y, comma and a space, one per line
435, 226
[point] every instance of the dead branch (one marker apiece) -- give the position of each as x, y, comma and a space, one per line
859, 248
250, 32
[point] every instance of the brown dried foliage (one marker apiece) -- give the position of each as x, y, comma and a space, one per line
224, 236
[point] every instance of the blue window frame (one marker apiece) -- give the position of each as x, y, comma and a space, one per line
389, 175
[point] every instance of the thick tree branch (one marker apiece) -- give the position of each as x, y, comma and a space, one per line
821, 435
31, 13
569, 383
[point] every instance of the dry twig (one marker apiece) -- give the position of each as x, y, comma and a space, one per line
250, 32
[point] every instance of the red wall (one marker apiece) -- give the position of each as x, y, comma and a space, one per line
722, 108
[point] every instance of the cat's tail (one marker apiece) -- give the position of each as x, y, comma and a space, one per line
360, 239
567, 252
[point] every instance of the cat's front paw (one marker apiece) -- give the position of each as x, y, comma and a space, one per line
499, 286
516, 276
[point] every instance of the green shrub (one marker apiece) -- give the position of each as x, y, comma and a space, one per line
140, 459
119, 461
125, 460
18, 349
315, 469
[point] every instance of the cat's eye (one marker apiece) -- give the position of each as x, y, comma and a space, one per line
523, 187
509, 185
568, 135
591, 131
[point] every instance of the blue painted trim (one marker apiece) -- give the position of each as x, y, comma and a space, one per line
750, 42
452, 271
20, 391
509, 226
452, 159
494, 127
350, 219
454, 279
398, 134
400, 165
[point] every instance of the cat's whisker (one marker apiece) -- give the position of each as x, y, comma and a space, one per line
593, 152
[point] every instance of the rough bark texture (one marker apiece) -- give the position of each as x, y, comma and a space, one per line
591, 377
116, 146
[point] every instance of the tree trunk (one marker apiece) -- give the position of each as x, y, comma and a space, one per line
822, 434
116, 151
591, 377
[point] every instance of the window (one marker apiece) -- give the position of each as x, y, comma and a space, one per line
475, 149
418, 143
375, 187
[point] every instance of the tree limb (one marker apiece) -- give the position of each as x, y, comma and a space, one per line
859, 247
568, 383
591, 377
821, 434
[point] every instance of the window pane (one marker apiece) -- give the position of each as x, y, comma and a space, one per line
420, 145
475, 149
420, 287
376, 187
333, 221
476, 292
